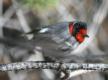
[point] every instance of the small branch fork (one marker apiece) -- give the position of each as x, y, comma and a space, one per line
52, 65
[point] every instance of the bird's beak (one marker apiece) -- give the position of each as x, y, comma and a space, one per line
86, 35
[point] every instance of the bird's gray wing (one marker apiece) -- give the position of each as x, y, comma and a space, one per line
50, 47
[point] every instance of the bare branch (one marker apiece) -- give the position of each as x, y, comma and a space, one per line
1, 7
52, 65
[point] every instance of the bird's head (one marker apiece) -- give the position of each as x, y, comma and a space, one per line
78, 30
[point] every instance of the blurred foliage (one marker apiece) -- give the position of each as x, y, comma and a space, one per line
39, 4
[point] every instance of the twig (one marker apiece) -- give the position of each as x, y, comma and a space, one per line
1, 8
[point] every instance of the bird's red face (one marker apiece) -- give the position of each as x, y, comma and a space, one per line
80, 35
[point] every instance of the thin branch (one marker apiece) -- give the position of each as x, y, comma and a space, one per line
52, 65
1, 8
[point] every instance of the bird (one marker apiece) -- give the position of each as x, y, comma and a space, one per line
59, 39
56, 40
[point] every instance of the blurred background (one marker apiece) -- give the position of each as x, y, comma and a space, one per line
22, 16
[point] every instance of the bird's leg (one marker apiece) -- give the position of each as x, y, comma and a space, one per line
63, 74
